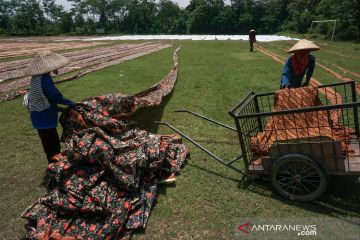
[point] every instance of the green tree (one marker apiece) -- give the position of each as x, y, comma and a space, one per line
141, 17
52, 11
203, 14
167, 16
100, 9
225, 21
275, 14
28, 18
79, 10
301, 13
53, 15
5, 7
347, 11
117, 12
66, 22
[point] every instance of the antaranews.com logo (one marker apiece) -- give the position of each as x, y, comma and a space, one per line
298, 228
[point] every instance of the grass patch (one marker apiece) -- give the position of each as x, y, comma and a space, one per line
207, 199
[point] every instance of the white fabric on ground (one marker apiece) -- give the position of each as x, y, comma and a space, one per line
259, 38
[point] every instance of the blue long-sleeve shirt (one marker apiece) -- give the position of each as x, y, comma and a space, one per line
290, 80
48, 118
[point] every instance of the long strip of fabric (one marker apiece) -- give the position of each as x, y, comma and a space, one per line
104, 181
154, 95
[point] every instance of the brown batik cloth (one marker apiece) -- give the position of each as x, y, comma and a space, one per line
297, 126
105, 179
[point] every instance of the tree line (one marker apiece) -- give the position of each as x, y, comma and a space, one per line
45, 17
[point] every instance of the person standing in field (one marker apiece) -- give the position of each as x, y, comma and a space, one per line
43, 99
299, 64
252, 39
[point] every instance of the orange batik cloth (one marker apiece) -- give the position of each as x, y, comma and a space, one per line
300, 126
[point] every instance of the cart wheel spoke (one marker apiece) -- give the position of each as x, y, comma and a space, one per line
311, 180
307, 189
293, 187
300, 189
284, 177
306, 169
285, 171
293, 168
286, 185
312, 184
298, 177
303, 167
297, 167
311, 174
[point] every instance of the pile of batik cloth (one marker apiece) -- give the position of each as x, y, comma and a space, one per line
301, 126
105, 179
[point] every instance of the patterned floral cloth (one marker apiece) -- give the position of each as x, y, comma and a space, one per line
105, 179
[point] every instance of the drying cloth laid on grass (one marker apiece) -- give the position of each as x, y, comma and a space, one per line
154, 95
105, 179
297, 126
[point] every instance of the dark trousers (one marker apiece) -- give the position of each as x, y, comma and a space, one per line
251, 46
50, 142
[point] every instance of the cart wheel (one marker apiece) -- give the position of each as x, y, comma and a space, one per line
298, 177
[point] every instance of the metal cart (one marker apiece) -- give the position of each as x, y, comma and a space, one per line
298, 167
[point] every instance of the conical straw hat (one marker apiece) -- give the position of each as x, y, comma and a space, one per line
252, 30
45, 62
303, 44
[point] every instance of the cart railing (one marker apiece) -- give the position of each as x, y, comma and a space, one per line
251, 117
349, 96
299, 110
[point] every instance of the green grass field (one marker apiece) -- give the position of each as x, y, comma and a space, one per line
207, 199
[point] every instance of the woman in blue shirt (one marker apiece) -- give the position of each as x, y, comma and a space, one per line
298, 65
43, 99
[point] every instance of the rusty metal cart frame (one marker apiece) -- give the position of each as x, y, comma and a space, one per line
298, 169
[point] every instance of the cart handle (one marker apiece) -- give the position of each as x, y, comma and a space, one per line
206, 118
208, 152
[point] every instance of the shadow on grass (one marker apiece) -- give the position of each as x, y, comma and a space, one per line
145, 117
45, 181
342, 197
213, 172
216, 141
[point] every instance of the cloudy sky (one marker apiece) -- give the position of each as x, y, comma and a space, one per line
67, 5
